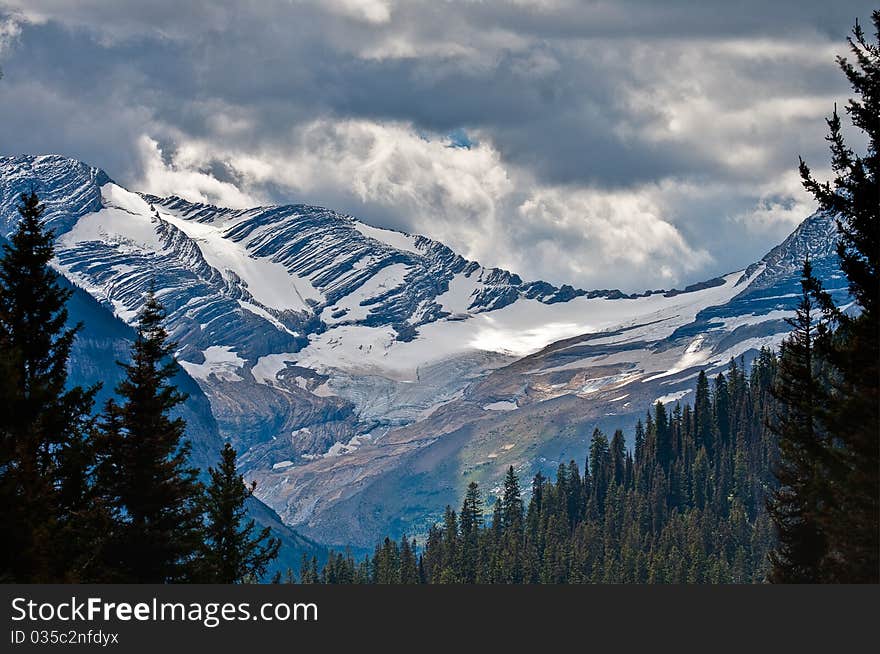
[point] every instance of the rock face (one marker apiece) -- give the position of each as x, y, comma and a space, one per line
366, 375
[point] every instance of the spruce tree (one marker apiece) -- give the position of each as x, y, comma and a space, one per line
703, 414
386, 563
511, 502
534, 541
801, 468
851, 521
617, 452
472, 509
663, 435
45, 454
721, 397
232, 549
451, 548
470, 524
512, 519
144, 471
639, 441
574, 491
409, 569
308, 569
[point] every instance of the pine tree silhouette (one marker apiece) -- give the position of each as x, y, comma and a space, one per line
153, 491
45, 453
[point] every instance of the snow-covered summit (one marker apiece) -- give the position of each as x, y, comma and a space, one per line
813, 239
284, 271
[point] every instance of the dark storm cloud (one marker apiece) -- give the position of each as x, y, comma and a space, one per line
699, 110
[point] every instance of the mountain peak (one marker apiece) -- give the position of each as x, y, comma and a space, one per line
67, 187
814, 238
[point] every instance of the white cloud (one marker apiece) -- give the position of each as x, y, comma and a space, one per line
370, 11
413, 182
781, 206
625, 230
183, 178
466, 198
623, 144
726, 100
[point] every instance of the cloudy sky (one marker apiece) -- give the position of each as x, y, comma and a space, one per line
621, 143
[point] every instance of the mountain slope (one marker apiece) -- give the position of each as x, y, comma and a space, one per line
366, 375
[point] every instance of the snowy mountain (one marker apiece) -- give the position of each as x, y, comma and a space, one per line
366, 375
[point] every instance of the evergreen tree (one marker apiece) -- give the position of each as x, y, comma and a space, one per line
851, 521
512, 521
703, 413
534, 536
232, 551
409, 569
386, 563
308, 570
617, 451
573, 491
800, 471
511, 502
471, 522
663, 435
46, 451
432, 560
639, 441
721, 408
451, 548
472, 509
598, 460
154, 493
